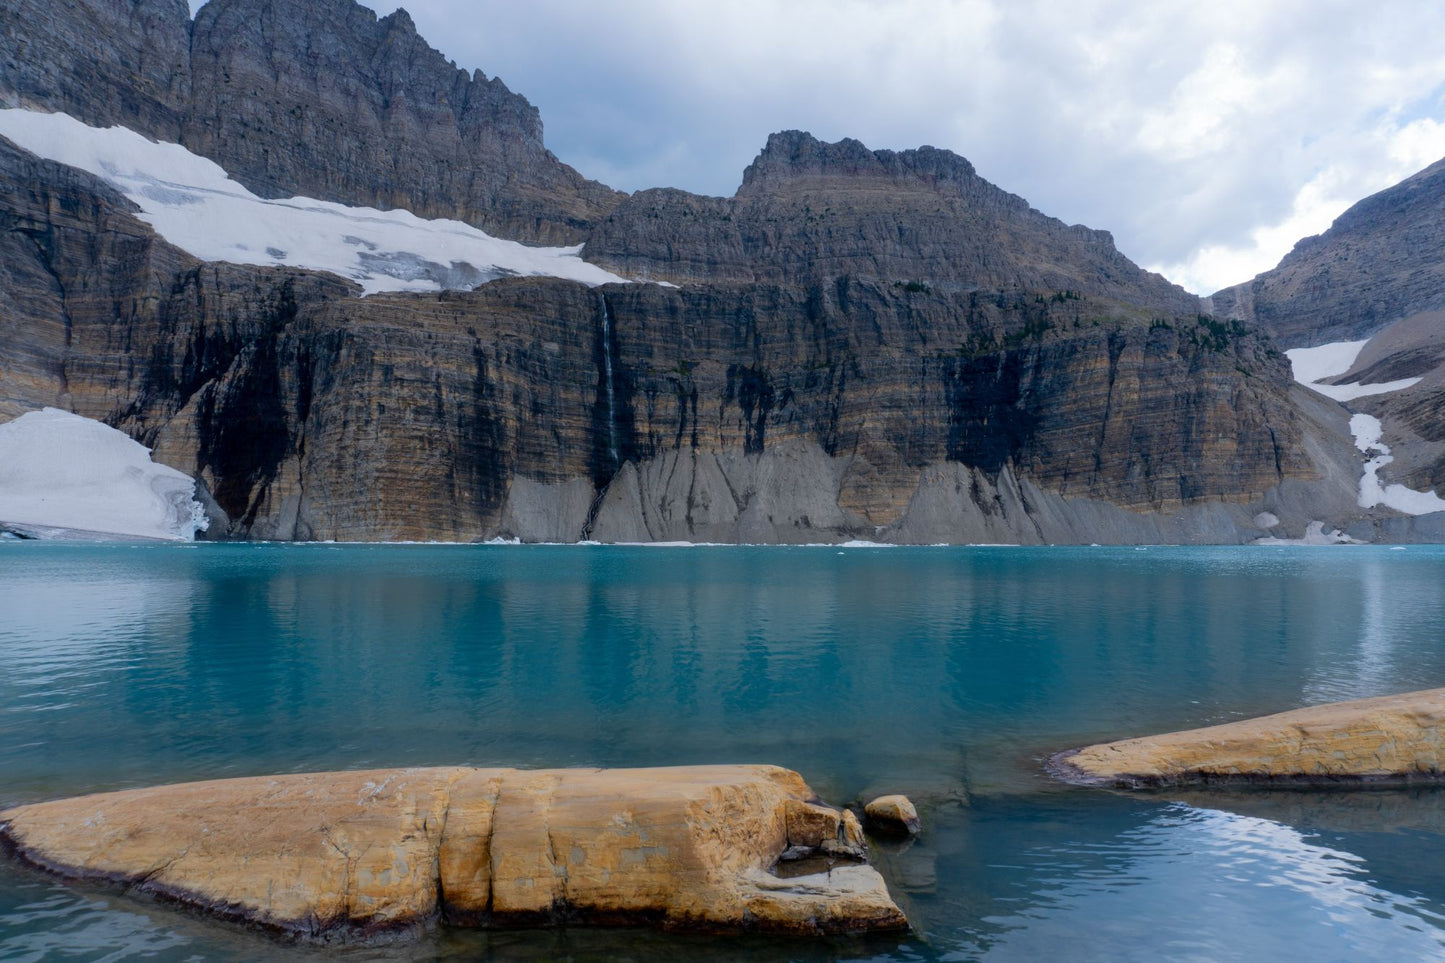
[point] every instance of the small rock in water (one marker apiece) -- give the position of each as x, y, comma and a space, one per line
849, 841
893, 815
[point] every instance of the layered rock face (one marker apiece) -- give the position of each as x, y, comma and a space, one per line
1414, 418
543, 409
686, 848
766, 411
809, 210
110, 62
311, 97
320, 98
1377, 274
1379, 262
1391, 738
866, 344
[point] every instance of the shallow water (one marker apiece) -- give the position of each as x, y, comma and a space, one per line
946, 673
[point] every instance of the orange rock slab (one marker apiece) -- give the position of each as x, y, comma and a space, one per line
684, 847
1395, 738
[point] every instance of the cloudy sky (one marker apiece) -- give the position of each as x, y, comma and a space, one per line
1208, 137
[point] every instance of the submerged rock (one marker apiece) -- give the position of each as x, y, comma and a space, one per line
893, 815
1389, 739
683, 847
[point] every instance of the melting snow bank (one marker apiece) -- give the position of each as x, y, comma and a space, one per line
62, 471
193, 204
1367, 431
1313, 365
1315, 534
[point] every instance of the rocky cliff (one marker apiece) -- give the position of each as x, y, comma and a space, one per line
108, 62
865, 343
311, 97
541, 408
1377, 275
1379, 262
809, 210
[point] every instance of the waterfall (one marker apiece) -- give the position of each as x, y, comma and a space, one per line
607, 378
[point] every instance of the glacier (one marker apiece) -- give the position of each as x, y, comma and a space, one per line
60, 472
194, 204
1313, 365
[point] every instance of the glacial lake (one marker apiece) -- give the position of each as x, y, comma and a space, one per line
946, 673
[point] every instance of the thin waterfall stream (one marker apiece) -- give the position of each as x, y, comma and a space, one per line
608, 379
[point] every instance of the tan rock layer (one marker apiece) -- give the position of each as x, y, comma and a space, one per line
683, 847
1387, 739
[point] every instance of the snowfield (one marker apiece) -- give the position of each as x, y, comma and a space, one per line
1313, 365
193, 204
1367, 431
62, 471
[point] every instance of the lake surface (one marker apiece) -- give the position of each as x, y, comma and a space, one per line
945, 673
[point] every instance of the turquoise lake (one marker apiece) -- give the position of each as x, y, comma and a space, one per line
946, 673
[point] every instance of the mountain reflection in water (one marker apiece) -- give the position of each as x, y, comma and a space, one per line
945, 673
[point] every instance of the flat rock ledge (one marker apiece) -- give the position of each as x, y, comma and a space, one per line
1387, 740
688, 848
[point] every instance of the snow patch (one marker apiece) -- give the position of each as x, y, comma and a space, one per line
1368, 431
59, 470
194, 204
1315, 534
1313, 365
1324, 360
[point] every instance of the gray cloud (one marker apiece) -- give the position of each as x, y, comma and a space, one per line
1207, 137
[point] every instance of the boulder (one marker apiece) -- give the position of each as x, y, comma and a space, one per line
892, 815
1389, 739
685, 848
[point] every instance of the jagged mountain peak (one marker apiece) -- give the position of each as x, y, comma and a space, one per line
400, 19
319, 98
793, 155
1380, 261
808, 209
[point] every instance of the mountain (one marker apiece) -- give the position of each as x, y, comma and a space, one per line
858, 344
1375, 278
303, 97
1381, 260
809, 210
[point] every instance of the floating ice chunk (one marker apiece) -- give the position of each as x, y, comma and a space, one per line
62, 471
1313, 365
194, 204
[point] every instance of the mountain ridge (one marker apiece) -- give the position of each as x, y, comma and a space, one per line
278, 92
866, 344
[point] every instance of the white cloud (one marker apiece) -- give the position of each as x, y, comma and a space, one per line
1207, 137
1401, 152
